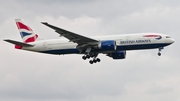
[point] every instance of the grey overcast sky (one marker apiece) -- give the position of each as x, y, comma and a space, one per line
142, 76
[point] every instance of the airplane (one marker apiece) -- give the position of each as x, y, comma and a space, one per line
114, 46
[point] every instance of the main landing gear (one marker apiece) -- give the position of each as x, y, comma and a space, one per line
94, 60
159, 53
90, 54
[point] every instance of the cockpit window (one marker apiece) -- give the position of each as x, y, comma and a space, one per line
168, 37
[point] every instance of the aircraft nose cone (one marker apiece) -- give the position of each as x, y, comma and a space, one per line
172, 40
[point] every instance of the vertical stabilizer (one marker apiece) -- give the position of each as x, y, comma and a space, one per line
26, 32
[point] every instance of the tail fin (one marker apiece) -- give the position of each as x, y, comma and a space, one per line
26, 32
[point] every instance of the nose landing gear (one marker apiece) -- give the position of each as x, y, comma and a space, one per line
159, 53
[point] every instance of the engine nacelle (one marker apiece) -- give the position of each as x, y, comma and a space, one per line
109, 45
118, 55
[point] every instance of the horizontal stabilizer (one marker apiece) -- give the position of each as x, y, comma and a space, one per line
18, 43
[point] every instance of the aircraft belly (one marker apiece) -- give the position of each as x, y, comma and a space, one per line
141, 46
61, 51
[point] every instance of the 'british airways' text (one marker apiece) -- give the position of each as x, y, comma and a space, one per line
135, 41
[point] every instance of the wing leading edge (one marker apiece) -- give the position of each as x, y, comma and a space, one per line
76, 38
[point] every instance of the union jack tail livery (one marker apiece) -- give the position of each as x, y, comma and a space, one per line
26, 32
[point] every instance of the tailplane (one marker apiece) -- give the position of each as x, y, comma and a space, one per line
26, 32
18, 45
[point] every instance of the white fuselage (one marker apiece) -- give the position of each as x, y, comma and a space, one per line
123, 42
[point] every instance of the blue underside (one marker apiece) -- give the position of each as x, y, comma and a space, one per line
119, 48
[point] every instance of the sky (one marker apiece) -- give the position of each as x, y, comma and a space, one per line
28, 76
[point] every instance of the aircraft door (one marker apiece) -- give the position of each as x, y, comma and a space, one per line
127, 40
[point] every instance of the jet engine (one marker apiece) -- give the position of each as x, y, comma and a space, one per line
109, 45
117, 55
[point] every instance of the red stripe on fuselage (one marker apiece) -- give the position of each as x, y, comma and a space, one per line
22, 26
152, 36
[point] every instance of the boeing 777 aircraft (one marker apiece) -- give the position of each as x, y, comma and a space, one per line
114, 46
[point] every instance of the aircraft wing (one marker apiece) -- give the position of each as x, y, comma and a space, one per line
76, 38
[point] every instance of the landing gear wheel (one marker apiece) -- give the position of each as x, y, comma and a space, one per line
84, 57
159, 54
98, 60
91, 62
94, 60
